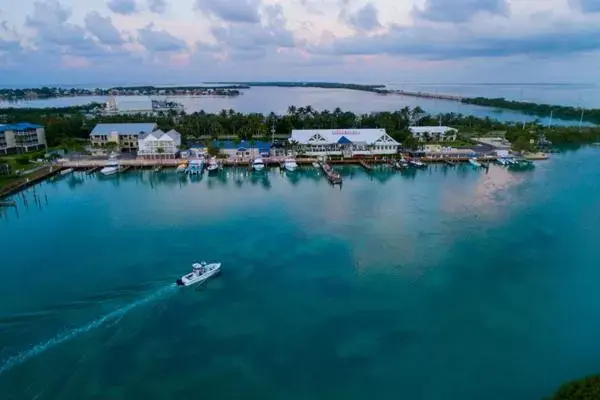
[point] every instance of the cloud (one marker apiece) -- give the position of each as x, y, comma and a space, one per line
103, 29
157, 6
588, 6
460, 10
231, 10
365, 19
56, 33
449, 43
312, 6
252, 41
125, 7
157, 40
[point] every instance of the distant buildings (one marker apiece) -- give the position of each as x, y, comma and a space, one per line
433, 133
159, 144
124, 137
343, 142
21, 138
129, 105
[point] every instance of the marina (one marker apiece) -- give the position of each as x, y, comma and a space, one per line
360, 271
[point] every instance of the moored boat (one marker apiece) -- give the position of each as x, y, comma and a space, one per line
183, 166
200, 273
195, 167
112, 167
258, 164
66, 171
416, 163
290, 164
213, 166
474, 162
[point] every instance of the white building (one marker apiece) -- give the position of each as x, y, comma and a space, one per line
129, 105
343, 142
433, 133
159, 144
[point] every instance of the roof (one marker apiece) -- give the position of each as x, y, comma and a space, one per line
160, 135
431, 129
19, 126
244, 144
124, 129
341, 136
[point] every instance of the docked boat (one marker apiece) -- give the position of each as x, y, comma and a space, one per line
290, 164
416, 163
183, 166
213, 166
258, 164
66, 171
521, 164
401, 164
474, 162
200, 273
112, 167
195, 167
316, 165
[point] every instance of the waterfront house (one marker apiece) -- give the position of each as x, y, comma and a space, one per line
245, 148
21, 137
159, 144
343, 142
433, 133
125, 136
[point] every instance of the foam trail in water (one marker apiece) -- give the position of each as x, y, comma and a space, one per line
55, 341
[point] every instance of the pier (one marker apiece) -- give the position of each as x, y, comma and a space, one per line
366, 166
334, 177
426, 95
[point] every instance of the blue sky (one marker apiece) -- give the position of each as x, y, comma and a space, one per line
378, 41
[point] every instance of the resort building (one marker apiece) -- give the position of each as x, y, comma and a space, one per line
21, 137
433, 133
159, 144
343, 142
129, 105
252, 149
125, 136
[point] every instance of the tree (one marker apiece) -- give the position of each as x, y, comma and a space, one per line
521, 144
587, 388
411, 143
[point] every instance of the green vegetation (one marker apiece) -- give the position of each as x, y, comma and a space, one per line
540, 110
583, 389
68, 128
321, 85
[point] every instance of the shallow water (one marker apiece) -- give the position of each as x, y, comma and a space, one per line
445, 283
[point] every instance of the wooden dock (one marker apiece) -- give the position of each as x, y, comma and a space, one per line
92, 170
333, 176
365, 165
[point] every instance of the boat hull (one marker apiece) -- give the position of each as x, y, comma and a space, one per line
107, 171
191, 279
258, 167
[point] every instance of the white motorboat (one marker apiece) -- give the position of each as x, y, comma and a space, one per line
66, 171
474, 162
112, 167
416, 163
317, 165
290, 164
258, 164
213, 166
195, 167
200, 272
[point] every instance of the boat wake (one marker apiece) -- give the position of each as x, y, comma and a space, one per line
115, 315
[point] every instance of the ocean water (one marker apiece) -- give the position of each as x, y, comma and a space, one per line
442, 283
270, 99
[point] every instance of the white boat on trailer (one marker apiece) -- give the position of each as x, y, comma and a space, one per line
200, 273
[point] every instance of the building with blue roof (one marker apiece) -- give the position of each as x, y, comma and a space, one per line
21, 137
125, 135
245, 148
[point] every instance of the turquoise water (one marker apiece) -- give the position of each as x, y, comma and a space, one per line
447, 283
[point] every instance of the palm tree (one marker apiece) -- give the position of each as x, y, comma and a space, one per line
292, 110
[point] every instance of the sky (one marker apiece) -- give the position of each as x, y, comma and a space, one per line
376, 41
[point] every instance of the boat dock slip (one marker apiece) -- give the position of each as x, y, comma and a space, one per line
366, 166
92, 170
333, 176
